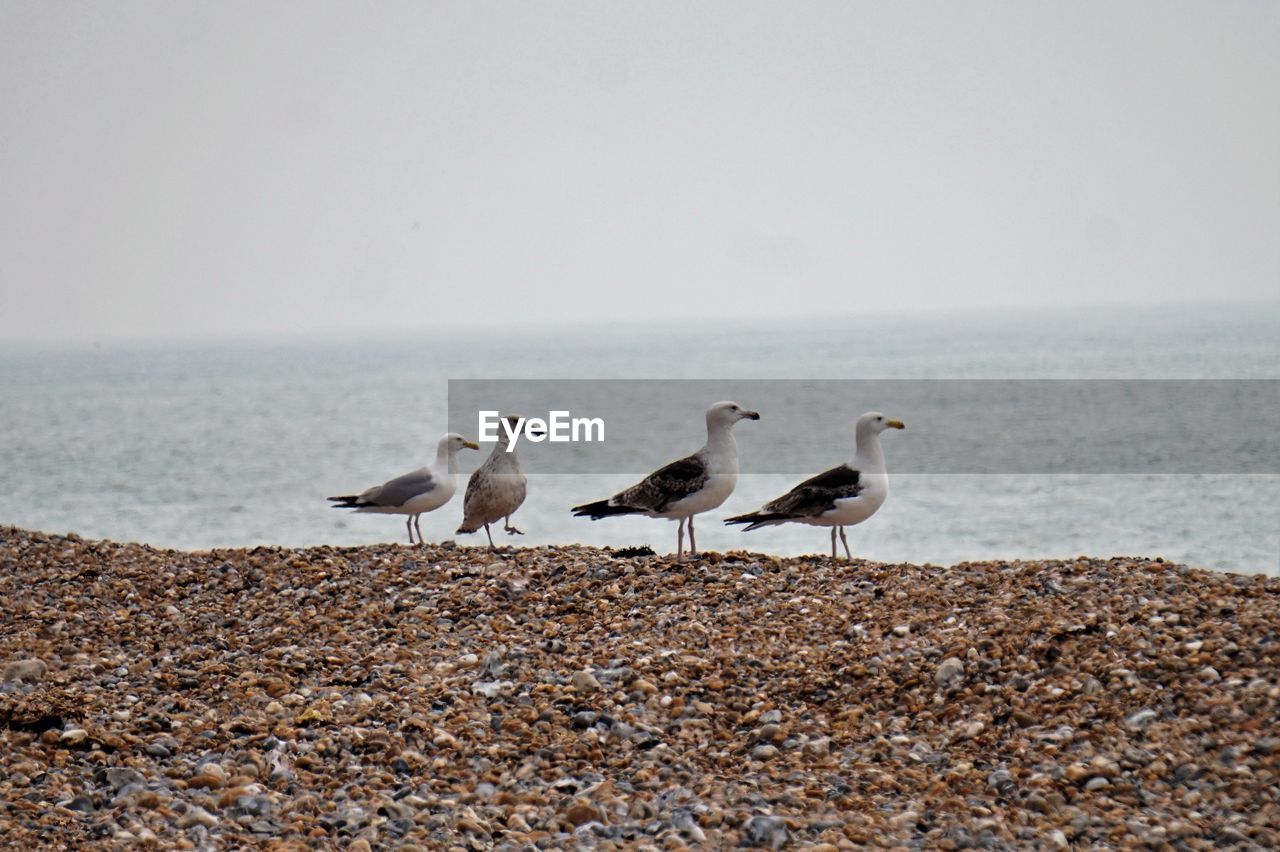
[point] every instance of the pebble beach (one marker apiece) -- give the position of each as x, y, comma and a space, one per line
444, 697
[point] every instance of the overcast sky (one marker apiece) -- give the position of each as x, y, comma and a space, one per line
240, 167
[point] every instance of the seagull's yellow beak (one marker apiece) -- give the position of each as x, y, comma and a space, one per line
896, 424
471, 445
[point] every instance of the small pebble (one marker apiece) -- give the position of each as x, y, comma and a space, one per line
196, 815
817, 747
948, 671
25, 671
1141, 719
585, 681
81, 803
766, 831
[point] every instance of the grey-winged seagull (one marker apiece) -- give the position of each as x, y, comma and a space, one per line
423, 490
837, 498
687, 487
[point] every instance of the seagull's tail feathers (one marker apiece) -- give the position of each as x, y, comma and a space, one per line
601, 509
350, 501
755, 520
468, 526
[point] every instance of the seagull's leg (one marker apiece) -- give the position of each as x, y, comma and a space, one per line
486, 532
417, 524
510, 529
408, 524
833, 542
845, 542
680, 540
693, 542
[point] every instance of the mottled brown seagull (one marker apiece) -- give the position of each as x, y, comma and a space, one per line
496, 488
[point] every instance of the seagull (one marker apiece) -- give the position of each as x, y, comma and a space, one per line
423, 490
840, 497
496, 488
687, 487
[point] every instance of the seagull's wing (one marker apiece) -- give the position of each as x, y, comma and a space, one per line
475, 485
665, 485
809, 499
817, 494
400, 490
479, 488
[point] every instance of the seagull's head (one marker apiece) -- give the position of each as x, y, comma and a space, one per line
729, 413
875, 423
531, 431
516, 423
453, 442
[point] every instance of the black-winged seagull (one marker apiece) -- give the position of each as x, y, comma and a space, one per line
422, 490
687, 487
837, 498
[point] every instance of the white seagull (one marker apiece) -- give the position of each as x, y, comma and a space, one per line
496, 488
684, 488
423, 490
840, 497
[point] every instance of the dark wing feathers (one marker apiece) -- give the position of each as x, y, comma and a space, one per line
601, 509
809, 499
819, 493
666, 485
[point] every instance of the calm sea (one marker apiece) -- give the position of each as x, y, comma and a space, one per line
237, 443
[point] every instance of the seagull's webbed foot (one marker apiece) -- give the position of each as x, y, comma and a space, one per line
512, 530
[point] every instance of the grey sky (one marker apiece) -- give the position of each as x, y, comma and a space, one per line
225, 167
